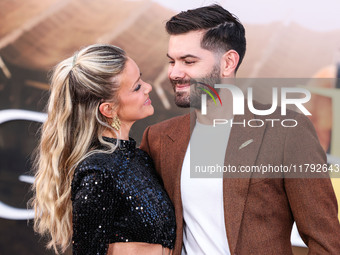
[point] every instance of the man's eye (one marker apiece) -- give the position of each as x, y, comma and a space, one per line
171, 62
137, 87
189, 62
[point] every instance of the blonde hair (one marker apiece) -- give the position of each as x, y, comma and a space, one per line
78, 86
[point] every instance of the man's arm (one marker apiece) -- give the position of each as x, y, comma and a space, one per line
312, 200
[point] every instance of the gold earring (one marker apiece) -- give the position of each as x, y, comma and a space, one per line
116, 123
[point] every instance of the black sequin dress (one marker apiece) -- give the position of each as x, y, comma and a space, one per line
118, 197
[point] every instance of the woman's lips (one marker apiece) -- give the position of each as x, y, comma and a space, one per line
148, 101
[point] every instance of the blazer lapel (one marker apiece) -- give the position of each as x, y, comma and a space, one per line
243, 146
173, 148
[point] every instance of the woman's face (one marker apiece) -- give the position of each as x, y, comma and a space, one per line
134, 101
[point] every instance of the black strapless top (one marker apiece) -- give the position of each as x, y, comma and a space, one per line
118, 197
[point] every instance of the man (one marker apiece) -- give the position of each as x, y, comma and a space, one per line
245, 215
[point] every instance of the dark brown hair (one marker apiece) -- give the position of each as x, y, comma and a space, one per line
223, 30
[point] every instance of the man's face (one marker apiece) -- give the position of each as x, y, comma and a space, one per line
187, 60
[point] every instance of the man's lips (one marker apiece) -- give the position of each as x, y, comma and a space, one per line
182, 86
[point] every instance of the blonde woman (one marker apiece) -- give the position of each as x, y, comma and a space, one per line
93, 187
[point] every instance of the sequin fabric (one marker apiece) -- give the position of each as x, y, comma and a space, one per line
118, 197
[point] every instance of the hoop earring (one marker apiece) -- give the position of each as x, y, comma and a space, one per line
116, 123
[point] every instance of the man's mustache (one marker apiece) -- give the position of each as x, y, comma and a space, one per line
180, 81
186, 81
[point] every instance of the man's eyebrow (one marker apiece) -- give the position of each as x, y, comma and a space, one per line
184, 57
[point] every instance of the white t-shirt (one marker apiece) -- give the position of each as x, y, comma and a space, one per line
204, 225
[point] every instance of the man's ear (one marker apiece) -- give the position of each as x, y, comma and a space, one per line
229, 63
107, 109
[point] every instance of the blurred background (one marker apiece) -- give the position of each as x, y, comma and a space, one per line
285, 39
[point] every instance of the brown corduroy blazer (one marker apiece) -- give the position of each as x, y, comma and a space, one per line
259, 212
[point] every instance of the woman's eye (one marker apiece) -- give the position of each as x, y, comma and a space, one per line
137, 87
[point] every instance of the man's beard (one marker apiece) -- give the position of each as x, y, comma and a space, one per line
193, 97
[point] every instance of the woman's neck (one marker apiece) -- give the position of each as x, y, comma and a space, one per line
122, 133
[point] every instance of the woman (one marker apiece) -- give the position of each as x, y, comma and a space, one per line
92, 184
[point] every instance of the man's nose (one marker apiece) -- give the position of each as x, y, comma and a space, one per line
175, 72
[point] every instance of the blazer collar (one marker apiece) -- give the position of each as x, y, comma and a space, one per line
181, 130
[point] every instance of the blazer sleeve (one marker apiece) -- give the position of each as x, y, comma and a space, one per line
93, 205
311, 195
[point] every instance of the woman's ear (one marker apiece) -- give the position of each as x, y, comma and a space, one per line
107, 109
229, 63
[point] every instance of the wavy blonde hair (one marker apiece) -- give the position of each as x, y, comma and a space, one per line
78, 86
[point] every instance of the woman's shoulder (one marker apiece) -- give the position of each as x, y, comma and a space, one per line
96, 161
98, 164
96, 169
